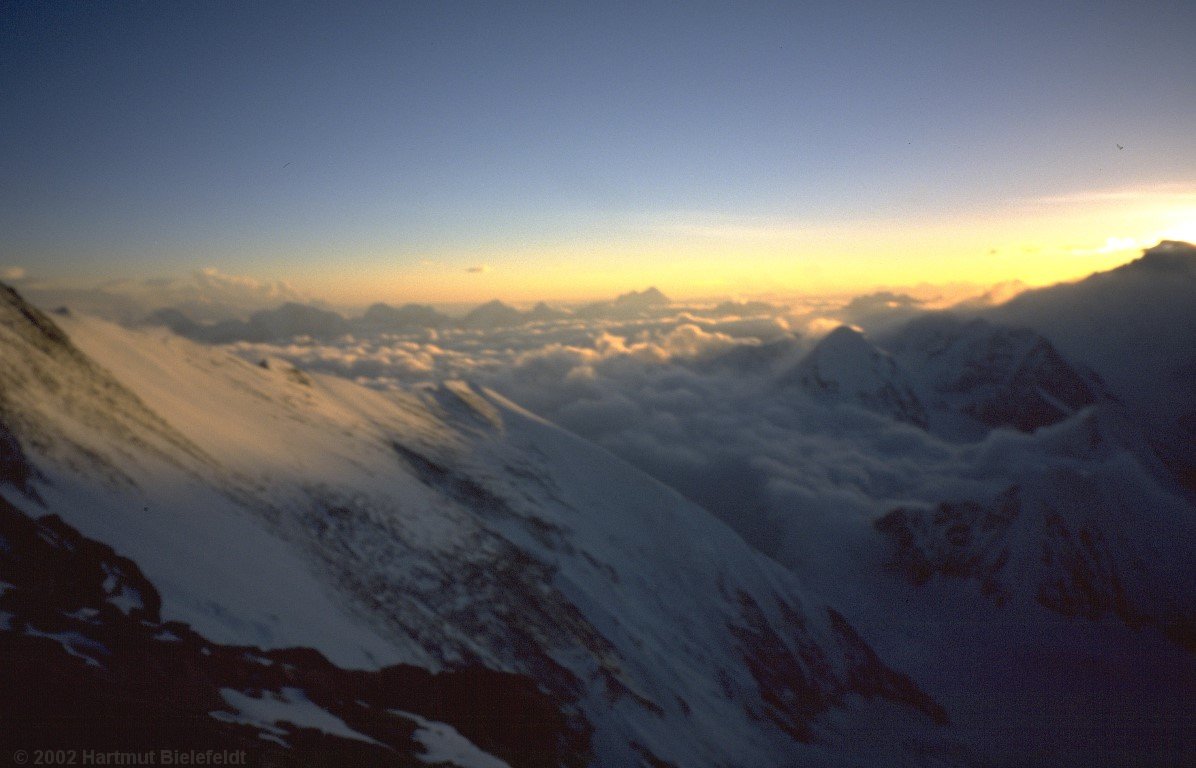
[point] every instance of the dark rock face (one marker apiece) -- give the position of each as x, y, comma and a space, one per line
797, 681
869, 676
1085, 580
1023, 383
100, 670
998, 375
15, 469
960, 540
1077, 571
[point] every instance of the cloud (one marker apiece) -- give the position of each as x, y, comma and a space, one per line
722, 226
12, 273
1115, 245
204, 295
819, 326
478, 269
212, 281
695, 402
1163, 192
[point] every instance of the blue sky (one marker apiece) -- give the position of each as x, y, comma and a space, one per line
390, 147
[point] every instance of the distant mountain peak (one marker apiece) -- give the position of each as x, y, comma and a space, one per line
846, 365
1171, 256
845, 337
493, 314
495, 304
649, 297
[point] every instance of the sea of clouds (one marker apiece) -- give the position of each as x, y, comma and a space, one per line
701, 402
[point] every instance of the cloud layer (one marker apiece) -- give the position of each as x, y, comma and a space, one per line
711, 401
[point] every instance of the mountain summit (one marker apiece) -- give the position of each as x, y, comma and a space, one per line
645, 299
846, 366
1172, 256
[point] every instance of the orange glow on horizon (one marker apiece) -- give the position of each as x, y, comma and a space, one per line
1036, 242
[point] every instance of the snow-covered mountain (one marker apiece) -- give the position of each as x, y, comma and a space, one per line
314, 554
1046, 596
846, 366
1091, 520
628, 305
1136, 327
995, 375
492, 314
1090, 528
954, 376
100, 669
1033, 566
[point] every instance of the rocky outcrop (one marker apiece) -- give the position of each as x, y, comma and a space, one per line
101, 670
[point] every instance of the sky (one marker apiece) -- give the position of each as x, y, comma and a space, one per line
461, 152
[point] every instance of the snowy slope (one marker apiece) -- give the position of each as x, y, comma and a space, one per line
845, 366
272, 508
1135, 325
1040, 585
1084, 528
1033, 566
100, 670
991, 374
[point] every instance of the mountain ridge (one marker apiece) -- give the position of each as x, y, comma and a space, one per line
458, 529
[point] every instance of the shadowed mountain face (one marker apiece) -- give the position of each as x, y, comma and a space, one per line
491, 578
289, 320
997, 375
1134, 325
409, 316
844, 365
100, 670
949, 375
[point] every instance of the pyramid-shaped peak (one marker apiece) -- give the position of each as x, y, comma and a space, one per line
649, 297
846, 365
844, 340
